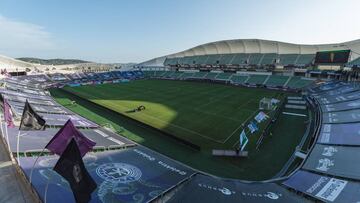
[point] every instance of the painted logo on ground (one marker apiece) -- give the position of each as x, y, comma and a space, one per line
118, 172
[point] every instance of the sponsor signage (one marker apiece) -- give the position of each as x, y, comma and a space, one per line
340, 134
243, 140
340, 161
122, 176
324, 188
202, 188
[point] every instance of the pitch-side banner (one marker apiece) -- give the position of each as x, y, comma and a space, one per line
324, 188
260, 117
207, 189
243, 140
340, 134
335, 160
253, 127
132, 175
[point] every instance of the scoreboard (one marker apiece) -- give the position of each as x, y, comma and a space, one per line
332, 57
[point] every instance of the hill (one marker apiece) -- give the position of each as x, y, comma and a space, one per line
52, 61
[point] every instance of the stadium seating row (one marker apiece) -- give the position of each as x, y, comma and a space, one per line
336, 150
78, 78
242, 59
268, 80
355, 62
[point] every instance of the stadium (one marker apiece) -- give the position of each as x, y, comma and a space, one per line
210, 112
238, 120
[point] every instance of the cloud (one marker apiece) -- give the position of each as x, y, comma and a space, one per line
21, 37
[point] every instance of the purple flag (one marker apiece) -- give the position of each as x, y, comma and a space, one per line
62, 138
8, 114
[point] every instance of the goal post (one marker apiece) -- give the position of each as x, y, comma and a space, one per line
265, 104
268, 103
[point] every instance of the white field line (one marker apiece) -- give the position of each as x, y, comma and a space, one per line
213, 100
176, 126
215, 114
245, 128
197, 109
182, 128
255, 112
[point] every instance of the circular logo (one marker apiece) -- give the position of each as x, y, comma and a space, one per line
48, 162
226, 191
272, 195
118, 172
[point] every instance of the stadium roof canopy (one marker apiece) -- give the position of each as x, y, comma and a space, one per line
259, 46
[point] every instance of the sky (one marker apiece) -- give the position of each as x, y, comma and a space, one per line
138, 30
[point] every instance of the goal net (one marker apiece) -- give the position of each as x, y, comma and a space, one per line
268, 103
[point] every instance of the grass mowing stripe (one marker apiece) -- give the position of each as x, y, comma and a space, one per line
170, 98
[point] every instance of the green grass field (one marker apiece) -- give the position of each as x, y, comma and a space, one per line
206, 115
209, 115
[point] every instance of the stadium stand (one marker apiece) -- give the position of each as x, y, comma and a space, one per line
334, 156
276, 80
202, 60
187, 75
305, 59
226, 59
243, 59
166, 74
186, 60
223, 76
214, 59
268, 59
239, 79
199, 75
329, 171
171, 61
240, 59
257, 79
333, 159
297, 82
355, 62
287, 59
255, 58
211, 75
176, 75
292, 82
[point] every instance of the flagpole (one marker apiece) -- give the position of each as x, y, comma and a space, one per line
1, 126
7, 136
32, 169
17, 147
46, 189
2, 131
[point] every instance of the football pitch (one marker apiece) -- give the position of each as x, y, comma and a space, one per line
208, 115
